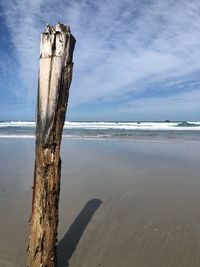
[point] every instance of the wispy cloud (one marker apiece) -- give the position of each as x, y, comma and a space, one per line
176, 107
123, 47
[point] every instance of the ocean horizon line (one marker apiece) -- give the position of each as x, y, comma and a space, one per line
123, 121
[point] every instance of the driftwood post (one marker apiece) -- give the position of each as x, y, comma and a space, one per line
55, 74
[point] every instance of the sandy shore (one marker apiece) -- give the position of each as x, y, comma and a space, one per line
123, 204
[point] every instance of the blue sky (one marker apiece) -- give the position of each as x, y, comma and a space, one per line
134, 59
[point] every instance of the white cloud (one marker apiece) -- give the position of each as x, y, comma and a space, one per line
177, 106
121, 45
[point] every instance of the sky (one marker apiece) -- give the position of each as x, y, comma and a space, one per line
133, 60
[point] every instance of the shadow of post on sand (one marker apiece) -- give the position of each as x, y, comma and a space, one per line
67, 245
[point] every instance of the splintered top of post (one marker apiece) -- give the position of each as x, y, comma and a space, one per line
54, 40
58, 28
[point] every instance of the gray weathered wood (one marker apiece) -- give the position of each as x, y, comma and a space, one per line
55, 74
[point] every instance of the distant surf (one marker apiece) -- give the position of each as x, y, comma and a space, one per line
188, 125
130, 130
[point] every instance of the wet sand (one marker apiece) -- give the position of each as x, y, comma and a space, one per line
130, 204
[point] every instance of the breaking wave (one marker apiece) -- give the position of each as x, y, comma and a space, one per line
181, 125
171, 131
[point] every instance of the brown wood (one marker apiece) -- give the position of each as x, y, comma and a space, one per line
55, 74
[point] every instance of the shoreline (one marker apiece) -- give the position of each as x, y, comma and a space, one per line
117, 139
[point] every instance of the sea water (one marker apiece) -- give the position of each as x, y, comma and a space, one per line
113, 130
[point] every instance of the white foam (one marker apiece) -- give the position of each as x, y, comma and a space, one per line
130, 126
115, 125
20, 136
17, 124
194, 122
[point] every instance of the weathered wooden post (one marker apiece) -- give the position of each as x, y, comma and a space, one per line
55, 74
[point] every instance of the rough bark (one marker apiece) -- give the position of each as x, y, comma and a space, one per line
55, 74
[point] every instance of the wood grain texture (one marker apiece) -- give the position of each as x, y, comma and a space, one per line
55, 75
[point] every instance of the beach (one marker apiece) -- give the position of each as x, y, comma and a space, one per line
122, 203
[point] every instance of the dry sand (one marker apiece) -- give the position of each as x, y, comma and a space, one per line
123, 204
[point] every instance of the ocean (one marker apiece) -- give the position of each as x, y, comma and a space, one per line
113, 130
